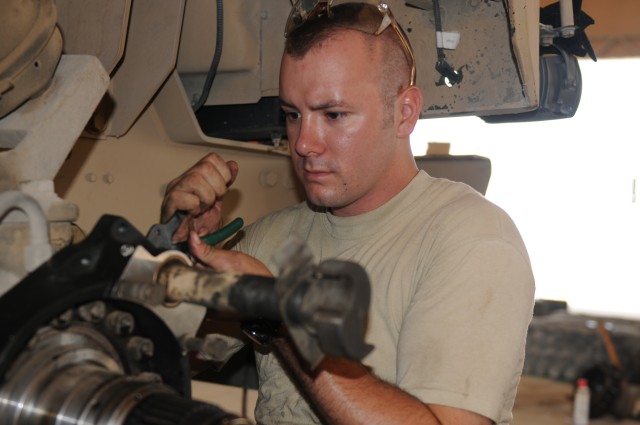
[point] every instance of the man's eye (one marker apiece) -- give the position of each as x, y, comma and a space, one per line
335, 115
292, 116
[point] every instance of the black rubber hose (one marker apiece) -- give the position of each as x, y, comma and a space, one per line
438, 24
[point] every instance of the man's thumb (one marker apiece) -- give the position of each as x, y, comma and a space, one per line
205, 253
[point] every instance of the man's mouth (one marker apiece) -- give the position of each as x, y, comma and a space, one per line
315, 174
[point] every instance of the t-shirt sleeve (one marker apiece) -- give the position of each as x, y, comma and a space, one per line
462, 340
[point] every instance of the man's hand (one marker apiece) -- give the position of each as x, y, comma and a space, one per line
224, 260
199, 192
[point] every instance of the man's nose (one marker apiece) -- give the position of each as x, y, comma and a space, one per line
309, 141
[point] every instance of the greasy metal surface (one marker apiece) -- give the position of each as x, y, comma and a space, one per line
324, 307
160, 234
141, 271
138, 282
492, 81
199, 286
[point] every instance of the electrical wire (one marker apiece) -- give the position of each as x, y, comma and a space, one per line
213, 69
448, 75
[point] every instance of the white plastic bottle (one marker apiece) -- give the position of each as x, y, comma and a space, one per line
581, 403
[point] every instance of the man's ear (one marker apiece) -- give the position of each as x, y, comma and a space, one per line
409, 102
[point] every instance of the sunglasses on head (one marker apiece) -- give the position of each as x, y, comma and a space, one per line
371, 17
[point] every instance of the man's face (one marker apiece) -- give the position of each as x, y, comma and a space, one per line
341, 149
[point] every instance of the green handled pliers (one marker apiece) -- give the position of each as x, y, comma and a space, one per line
160, 234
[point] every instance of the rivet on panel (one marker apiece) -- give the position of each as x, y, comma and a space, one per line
268, 178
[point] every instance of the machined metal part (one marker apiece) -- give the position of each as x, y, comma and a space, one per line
220, 291
102, 362
212, 347
160, 234
138, 279
75, 375
79, 346
324, 307
139, 282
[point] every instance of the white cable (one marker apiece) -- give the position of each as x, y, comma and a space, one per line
39, 249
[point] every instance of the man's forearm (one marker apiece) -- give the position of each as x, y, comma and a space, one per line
347, 394
344, 392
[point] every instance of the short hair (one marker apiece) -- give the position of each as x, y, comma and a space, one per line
394, 70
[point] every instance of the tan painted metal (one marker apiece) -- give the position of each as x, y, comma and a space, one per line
127, 176
30, 47
616, 32
36, 140
95, 27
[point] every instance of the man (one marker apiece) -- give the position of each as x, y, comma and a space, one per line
452, 288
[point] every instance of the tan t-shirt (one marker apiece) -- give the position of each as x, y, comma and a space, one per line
452, 296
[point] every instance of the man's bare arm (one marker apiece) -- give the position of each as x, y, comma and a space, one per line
344, 392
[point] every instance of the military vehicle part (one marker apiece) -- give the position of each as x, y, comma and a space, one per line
30, 48
82, 340
324, 307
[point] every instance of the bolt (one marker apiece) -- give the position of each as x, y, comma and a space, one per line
126, 250
108, 178
191, 343
212, 347
63, 320
121, 322
92, 312
90, 177
140, 348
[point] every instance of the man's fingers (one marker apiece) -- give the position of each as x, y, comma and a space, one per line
179, 201
233, 168
200, 187
224, 260
217, 173
199, 192
182, 232
208, 221
202, 224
